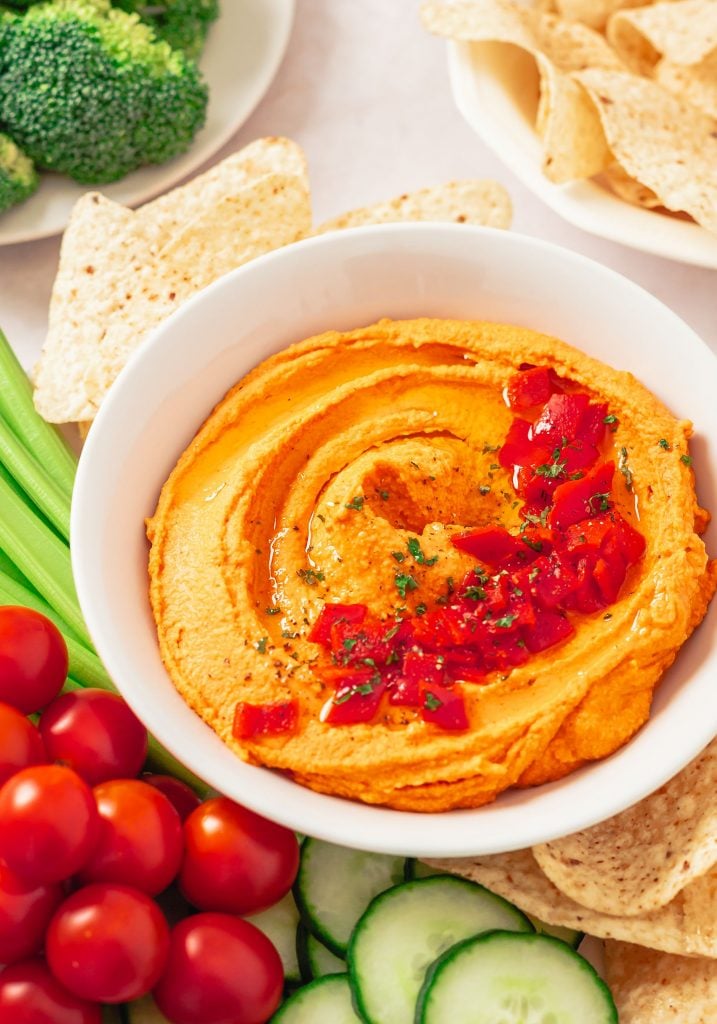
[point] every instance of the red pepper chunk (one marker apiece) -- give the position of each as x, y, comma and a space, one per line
329, 615
528, 388
356, 699
254, 721
444, 708
490, 544
585, 498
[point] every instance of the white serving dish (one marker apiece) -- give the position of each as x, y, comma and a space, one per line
243, 51
343, 280
489, 87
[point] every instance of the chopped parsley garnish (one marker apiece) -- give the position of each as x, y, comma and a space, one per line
414, 549
612, 418
392, 631
431, 702
273, 611
392, 658
484, 489
421, 609
554, 469
475, 593
384, 495
288, 635
414, 464
541, 520
624, 468
518, 592
405, 582
687, 459
310, 576
535, 545
506, 621
534, 573
261, 644
369, 661
494, 465
487, 448
361, 689
356, 503
399, 556
664, 444
603, 502
350, 642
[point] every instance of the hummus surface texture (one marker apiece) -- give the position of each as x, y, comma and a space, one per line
324, 461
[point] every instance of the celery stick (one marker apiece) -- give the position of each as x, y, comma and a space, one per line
38, 437
84, 663
41, 556
8, 568
34, 481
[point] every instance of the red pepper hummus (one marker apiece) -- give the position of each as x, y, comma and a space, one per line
421, 562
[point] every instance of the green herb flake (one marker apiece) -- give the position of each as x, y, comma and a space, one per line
350, 642
310, 576
260, 645
288, 635
488, 448
475, 593
624, 468
686, 459
384, 495
421, 609
664, 444
612, 418
356, 503
399, 556
405, 582
494, 465
414, 549
431, 702
273, 611
506, 621
599, 502
484, 489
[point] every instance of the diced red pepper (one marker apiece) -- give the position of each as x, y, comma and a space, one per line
548, 629
517, 448
253, 721
439, 629
528, 388
423, 667
561, 418
490, 544
502, 653
552, 580
609, 576
320, 632
592, 426
405, 692
631, 543
444, 708
465, 665
356, 699
354, 644
576, 500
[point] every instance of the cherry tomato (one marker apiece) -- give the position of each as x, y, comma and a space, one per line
96, 733
48, 823
33, 659
30, 995
25, 912
220, 970
20, 743
108, 943
184, 799
235, 860
140, 840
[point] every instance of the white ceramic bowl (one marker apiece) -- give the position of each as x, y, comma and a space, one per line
343, 280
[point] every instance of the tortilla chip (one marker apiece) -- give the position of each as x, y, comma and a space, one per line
640, 859
172, 212
658, 988
696, 84
629, 189
682, 31
107, 297
687, 925
463, 202
572, 134
594, 13
662, 141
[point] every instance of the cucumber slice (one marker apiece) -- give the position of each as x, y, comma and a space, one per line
321, 960
279, 924
504, 978
145, 1011
324, 1001
568, 935
406, 928
335, 885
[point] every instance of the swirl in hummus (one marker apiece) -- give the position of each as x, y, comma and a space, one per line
349, 463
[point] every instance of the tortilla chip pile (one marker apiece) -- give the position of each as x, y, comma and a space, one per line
627, 91
123, 271
646, 882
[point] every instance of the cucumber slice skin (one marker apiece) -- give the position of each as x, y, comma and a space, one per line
566, 935
326, 1000
279, 923
429, 1011
339, 858
362, 989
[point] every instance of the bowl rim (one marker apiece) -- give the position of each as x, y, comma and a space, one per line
372, 827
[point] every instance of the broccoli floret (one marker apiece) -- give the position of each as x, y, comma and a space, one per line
18, 177
181, 23
89, 91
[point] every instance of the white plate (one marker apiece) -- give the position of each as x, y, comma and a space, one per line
341, 280
242, 54
489, 88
